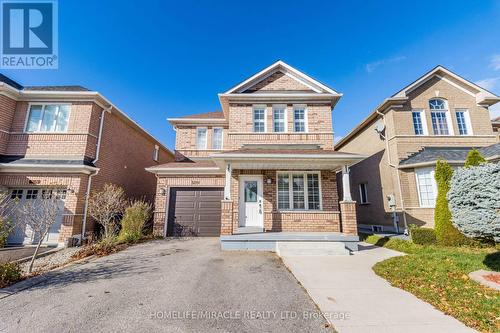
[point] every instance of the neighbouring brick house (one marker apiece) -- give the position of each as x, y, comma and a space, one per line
70, 140
265, 163
439, 116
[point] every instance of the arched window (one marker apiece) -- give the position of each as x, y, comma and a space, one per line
437, 104
439, 116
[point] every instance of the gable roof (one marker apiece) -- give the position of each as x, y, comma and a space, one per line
483, 97
281, 66
313, 88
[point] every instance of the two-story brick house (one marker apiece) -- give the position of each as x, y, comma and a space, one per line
70, 141
264, 163
439, 116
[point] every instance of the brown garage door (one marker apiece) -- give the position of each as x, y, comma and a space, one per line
194, 211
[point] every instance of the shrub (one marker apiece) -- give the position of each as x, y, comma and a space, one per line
9, 273
446, 233
103, 247
475, 201
106, 207
423, 236
474, 158
136, 216
6, 228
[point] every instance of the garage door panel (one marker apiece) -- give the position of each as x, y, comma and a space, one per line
194, 211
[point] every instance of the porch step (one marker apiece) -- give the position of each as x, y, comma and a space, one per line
285, 249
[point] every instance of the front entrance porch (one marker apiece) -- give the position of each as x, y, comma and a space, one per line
280, 197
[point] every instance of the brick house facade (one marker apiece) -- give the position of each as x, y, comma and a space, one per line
265, 163
72, 140
439, 116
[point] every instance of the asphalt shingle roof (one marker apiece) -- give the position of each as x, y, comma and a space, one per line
205, 115
456, 154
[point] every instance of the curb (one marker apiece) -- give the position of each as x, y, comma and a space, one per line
33, 281
40, 255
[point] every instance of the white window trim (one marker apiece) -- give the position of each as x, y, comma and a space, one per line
434, 186
468, 123
44, 104
285, 116
206, 138
221, 138
423, 119
361, 202
306, 193
255, 107
449, 121
306, 117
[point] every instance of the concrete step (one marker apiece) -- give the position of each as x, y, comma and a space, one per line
284, 249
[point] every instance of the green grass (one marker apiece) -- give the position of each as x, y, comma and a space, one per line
438, 275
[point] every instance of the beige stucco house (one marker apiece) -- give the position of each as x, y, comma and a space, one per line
439, 116
265, 163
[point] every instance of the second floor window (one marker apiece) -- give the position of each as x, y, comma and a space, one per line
463, 122
217, 138
299, 119
418, 122
48, 118
259, 119
201, 138
439, 117
279, 119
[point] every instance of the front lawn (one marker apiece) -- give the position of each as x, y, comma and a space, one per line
438, 275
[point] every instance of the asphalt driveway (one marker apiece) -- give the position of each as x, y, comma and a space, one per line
171, 286
15, 253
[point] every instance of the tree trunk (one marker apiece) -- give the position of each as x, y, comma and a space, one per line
36, 251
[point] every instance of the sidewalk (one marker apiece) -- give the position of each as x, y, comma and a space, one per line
347, 287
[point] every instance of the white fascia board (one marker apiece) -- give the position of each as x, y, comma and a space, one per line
55, 168
287, 156
190, 121
185, 171
271, 68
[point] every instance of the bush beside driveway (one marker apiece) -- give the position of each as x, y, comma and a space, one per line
138, 288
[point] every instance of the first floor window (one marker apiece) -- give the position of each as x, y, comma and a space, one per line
299, 191
259, 119
201, 138
439, 123
279, 119
363, 193
217, 138
426, 186
48, 118
462, 122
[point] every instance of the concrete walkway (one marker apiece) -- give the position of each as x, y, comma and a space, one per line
355, 299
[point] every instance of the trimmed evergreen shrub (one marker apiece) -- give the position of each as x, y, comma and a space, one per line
475, 201
423, 236
474, 158
9, 273
446, 233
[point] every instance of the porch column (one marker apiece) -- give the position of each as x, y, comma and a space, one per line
227, 185
348, 206
346, 184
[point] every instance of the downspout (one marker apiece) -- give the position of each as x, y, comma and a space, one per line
397, 172
89, 183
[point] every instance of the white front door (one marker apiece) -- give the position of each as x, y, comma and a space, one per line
251, 212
